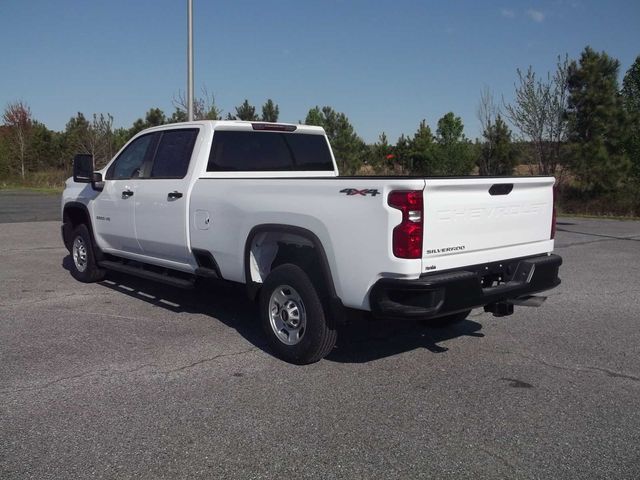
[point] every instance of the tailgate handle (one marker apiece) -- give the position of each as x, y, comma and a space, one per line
501, 189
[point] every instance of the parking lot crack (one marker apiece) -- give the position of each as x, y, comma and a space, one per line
498, 457
210, 359
579, 368
634, 238
54, 382
35, 301
614, 373
101, 372
598, 238
107, 373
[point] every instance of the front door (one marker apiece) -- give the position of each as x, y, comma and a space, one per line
114, 207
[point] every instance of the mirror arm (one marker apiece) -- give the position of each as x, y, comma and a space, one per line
97, 183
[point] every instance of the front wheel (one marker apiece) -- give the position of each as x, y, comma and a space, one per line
293, 316
84, 267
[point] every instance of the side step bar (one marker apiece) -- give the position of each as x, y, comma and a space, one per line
148, 274
206, 272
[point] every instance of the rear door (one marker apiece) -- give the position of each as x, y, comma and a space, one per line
162, 199
477, 220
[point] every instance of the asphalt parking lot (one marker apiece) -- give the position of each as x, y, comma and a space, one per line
129, 379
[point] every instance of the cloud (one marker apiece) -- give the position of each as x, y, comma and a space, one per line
535, 15
505, 12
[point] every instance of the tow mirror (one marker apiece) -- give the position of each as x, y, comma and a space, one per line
83, 171
83, 168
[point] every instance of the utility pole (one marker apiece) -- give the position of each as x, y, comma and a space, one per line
190, 60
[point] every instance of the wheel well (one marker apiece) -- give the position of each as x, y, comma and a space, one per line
269, 246
268, 250
73, 216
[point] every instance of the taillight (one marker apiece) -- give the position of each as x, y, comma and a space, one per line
553, 216
407, 237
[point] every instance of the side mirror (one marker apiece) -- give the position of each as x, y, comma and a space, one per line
83, 172
96, 181
83, 168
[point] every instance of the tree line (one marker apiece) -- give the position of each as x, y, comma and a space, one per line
576, 123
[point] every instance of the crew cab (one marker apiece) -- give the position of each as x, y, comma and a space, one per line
262, 204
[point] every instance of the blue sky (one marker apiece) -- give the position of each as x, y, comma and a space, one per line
386, 64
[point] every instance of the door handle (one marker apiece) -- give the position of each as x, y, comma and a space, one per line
174, 195
127, 193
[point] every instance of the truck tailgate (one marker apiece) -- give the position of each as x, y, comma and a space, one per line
476, 220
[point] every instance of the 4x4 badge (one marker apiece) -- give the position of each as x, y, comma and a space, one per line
354, 191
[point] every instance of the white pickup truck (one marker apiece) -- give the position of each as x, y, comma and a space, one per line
262, 204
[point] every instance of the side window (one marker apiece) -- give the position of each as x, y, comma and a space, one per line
249, 151
174, 153
243, 151
129, 163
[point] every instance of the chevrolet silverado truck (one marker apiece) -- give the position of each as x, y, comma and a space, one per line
262, 204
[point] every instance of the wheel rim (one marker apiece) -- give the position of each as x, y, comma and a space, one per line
80, 254
287, 315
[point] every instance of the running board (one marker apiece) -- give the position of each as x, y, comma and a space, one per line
147, 274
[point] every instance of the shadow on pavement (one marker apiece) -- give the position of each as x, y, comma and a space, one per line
361, 340
364, 339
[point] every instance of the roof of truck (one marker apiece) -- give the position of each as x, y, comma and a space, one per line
247, 125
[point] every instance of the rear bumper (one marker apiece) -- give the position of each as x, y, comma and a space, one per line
440, 294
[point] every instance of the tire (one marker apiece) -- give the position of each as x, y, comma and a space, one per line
442, 322
293, 317
83, 261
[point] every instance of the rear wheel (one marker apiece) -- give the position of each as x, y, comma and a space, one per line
84, 267
293, 316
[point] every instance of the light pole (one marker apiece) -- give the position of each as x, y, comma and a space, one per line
190, 60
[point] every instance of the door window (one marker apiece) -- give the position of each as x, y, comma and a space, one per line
129, 162
174, 153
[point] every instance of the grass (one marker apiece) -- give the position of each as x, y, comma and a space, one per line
596, 217
49, 181
28, 188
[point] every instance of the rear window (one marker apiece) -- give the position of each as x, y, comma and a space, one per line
268, 151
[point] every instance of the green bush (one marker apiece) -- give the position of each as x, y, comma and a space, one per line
47, 179
623, 202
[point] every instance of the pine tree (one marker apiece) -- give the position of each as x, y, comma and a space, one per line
497, 153
421, 150
348, 147
153, 118
246, 111
631, 100
453, 152
402, 154
270, 111
597, 122
381, 154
